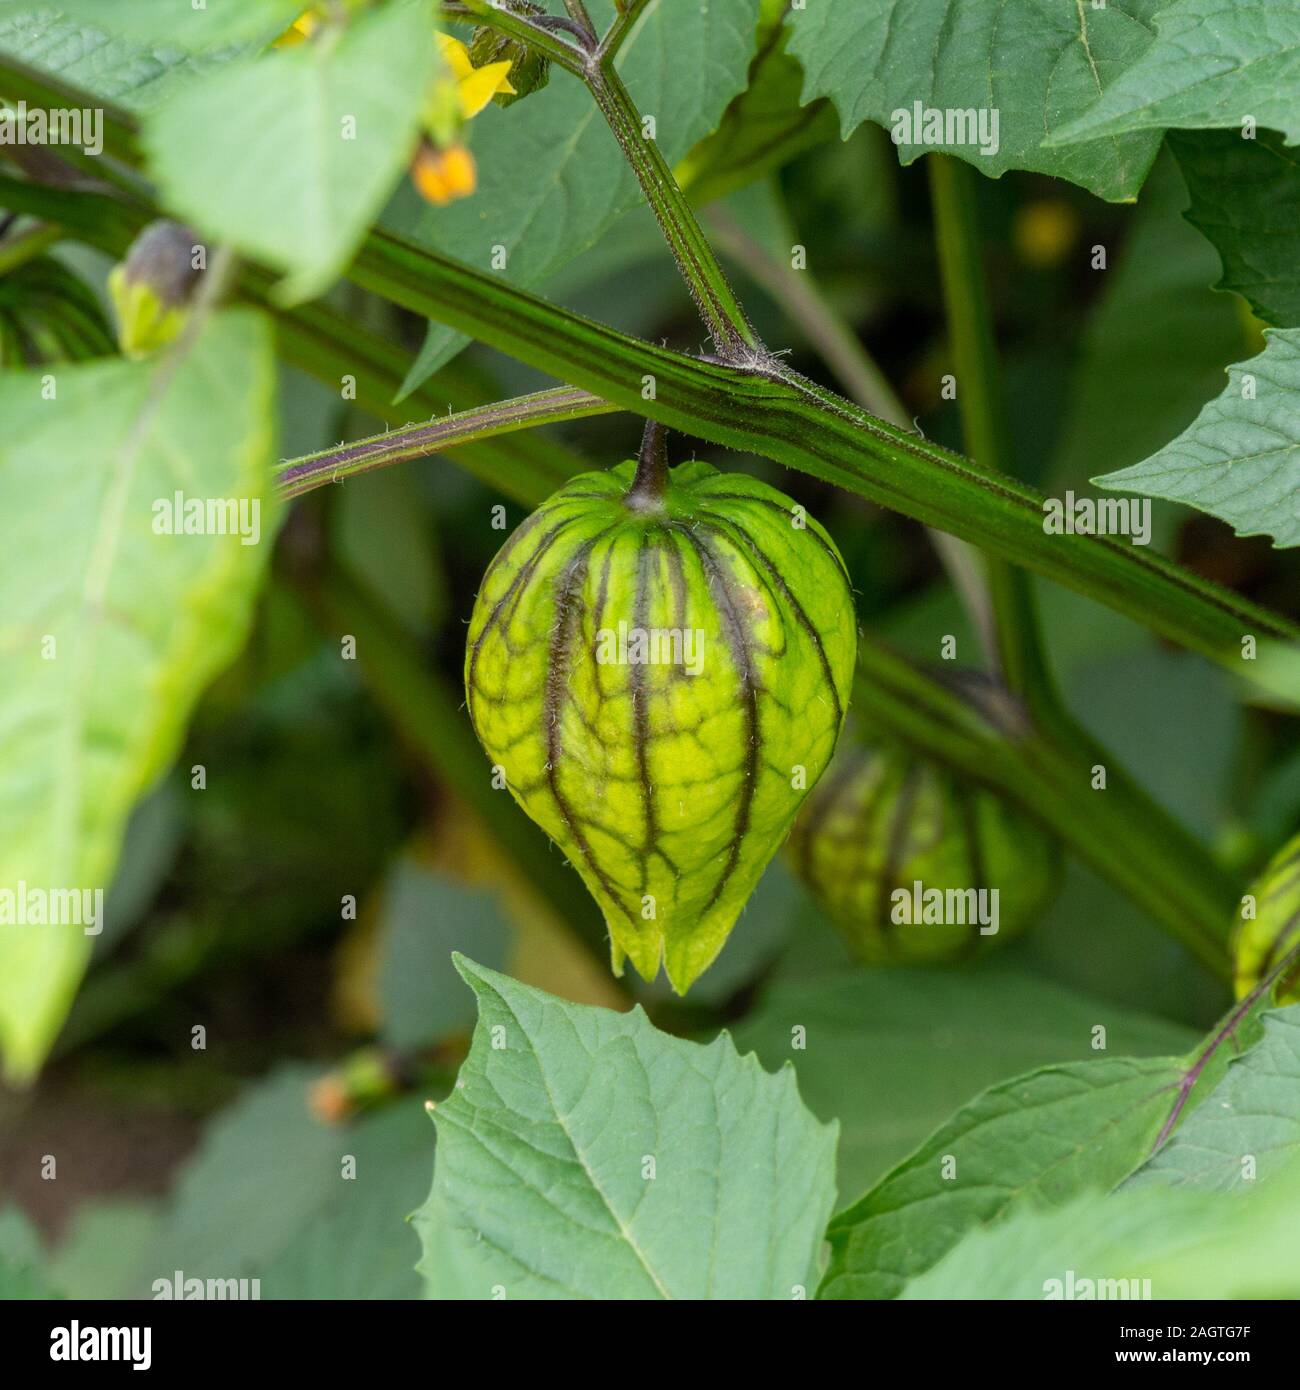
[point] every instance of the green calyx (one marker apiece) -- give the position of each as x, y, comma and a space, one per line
914, 865
659, 663
1270, 926
529, 71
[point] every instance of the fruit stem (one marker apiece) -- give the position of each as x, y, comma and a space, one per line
651, 481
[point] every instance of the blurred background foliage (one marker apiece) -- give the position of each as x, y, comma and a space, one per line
326, 1030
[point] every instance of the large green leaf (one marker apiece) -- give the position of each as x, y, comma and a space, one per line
551, 178
118, 70
1037, 63
892, 1053
312, 1210
1253, 1113
101, 1249
177, 23
1240, 458
1160, 1243
1040, 1139
110, 631
1246, 200
424, 917
23, 1275
583, 1154
765, 126
290, 156
1214, 63
1050, 1138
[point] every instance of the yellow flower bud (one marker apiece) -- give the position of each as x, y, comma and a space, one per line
443, 175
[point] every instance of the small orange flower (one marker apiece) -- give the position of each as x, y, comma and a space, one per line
443, 175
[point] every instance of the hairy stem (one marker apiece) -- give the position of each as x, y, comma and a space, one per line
775, 412
733, 336
300, 475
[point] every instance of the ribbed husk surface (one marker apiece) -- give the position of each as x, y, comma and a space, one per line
883, 820
668, 790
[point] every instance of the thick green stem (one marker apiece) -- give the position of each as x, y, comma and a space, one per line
784, 417
774, 412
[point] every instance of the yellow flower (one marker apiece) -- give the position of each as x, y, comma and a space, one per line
443, 175
475, 87
299, 31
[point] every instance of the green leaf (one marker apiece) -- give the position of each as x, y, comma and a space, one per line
22, 1260
1038, 64
583, 1154
177, 23
763, 128
892, 1053
114, 69
329, 126
551, 178
1040, 1139
1246, 200
1254, 1112
99, 1254
1156, 344
110, 630
312, 1210
423, 918
1213, 63
1161, 1243
1239, 459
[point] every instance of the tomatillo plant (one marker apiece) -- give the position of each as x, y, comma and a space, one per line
848, 668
